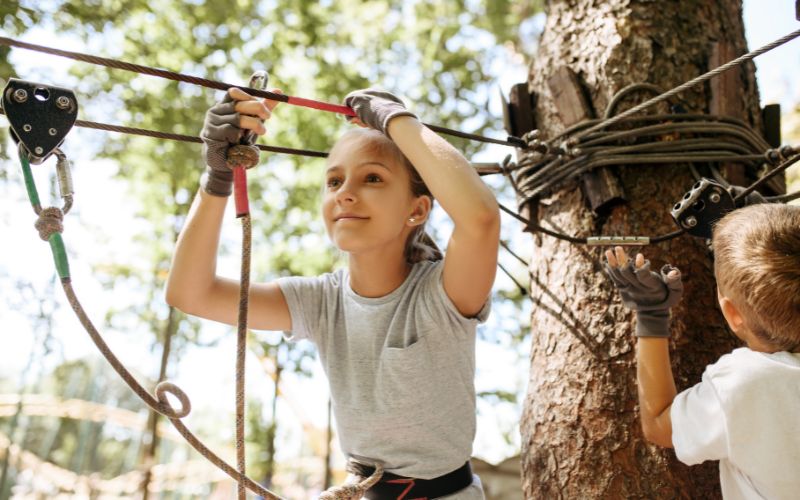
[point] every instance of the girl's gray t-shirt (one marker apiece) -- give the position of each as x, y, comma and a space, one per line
401, 367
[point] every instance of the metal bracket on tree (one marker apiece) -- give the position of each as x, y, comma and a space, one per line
699, 209
40, 116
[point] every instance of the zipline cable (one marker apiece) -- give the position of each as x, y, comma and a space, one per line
593, 240
186, 138
515, 142
584, 163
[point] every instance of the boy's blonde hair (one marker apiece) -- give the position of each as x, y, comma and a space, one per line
419, 245
757, 266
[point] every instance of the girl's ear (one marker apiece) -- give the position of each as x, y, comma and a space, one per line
421, 209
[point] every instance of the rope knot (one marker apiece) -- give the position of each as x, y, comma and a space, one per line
50, 221
241, 155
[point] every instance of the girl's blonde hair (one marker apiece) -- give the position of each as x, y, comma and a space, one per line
419, 245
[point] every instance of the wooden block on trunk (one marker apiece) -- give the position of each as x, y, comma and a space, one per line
600, 187
530, 211
520, 110
726, 100
771, 116
572, 105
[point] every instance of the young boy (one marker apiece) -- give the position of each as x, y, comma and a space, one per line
746, 409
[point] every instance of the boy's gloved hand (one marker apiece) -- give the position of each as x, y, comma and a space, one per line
375, 108
648, 293
225, 125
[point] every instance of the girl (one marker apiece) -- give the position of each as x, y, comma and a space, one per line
395, 329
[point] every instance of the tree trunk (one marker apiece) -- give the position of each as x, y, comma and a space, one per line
580, 431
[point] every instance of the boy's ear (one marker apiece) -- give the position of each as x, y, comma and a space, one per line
732, 314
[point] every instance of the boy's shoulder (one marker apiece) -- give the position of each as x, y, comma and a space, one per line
744, 369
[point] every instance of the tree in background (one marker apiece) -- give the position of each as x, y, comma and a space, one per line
580, 431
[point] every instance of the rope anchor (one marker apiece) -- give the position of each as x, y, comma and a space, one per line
50, 227
40, 115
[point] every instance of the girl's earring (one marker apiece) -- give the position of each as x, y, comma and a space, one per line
412, 219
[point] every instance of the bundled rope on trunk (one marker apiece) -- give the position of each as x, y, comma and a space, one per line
666, 138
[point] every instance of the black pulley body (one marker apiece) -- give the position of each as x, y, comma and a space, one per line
40, 115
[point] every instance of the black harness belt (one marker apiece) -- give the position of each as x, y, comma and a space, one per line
394, 487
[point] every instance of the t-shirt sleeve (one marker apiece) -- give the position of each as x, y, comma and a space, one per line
305, 297
699, 430
440, 304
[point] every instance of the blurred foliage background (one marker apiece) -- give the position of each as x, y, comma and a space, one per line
63, 412
443, 57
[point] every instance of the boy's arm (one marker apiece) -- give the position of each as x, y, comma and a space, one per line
656, 389
651, 295
470, 262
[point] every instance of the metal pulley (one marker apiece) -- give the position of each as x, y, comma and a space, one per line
40, 116
700, 208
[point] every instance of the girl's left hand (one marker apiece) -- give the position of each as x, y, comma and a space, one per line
375, 108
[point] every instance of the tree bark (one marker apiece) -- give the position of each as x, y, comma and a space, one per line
580, 430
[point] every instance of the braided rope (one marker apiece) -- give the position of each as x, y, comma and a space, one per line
50, 226
241, 344
160, 403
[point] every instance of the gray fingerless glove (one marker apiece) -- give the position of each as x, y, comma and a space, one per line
220, 131
376, 108
648, 293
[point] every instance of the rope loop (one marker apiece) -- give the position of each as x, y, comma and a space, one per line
611, 108
166, 409
49, 222
354, 491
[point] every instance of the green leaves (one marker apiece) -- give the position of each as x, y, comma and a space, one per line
440, 56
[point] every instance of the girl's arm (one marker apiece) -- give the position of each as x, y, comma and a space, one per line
193, 285
470, 262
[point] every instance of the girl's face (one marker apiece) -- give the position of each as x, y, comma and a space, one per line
367, 198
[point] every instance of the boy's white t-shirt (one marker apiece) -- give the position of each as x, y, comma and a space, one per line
401, 369
745, 413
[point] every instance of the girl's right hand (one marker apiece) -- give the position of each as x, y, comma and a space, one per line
223, 127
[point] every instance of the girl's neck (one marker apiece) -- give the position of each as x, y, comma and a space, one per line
377, 274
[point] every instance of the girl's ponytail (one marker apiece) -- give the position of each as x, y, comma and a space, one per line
421, 247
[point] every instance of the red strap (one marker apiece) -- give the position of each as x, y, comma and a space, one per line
325, 106
240, 191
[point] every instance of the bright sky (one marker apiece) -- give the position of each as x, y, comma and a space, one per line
207, 374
